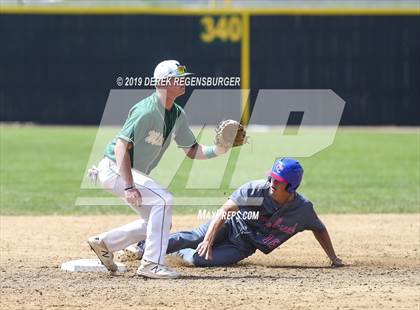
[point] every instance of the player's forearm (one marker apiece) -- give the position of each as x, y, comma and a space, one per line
213, 229
123, 162
218, 220
325, 241
202, 152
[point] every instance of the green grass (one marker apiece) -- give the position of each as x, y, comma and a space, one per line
364, 171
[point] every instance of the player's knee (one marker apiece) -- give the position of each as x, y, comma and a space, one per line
167, 199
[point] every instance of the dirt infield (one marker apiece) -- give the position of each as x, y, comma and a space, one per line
382, 252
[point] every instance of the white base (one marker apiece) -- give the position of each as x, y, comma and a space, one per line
89, 265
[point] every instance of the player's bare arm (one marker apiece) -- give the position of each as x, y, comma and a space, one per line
205, 247
325, 241
200, 151
132, 195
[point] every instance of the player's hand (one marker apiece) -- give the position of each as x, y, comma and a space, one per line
205, 249
337, 262
133, 197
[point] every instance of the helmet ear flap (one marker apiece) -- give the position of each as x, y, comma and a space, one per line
288, 187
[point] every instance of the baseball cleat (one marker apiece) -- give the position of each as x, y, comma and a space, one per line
130, 254
105, 256
156, 271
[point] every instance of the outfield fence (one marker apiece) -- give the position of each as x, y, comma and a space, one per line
60, 62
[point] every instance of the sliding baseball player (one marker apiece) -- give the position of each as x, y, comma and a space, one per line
232, 235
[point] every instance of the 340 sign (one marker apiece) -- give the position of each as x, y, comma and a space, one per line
223, 28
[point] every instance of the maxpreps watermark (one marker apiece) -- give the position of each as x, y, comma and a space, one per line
244, 215
194, 81
321, 111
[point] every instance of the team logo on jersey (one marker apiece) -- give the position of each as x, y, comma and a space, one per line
154, 138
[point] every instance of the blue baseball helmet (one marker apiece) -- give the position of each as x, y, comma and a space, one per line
287, 170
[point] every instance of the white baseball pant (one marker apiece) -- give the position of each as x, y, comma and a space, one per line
155, 212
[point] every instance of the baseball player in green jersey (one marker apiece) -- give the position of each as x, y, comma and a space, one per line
131, 156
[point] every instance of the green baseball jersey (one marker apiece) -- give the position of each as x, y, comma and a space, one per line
149, 128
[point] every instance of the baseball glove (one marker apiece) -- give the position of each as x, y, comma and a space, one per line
230, 133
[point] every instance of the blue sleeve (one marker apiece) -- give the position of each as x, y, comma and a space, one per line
239, 197
312, 220
247, 195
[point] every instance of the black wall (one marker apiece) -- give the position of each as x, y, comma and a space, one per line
372, 62
58, 69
